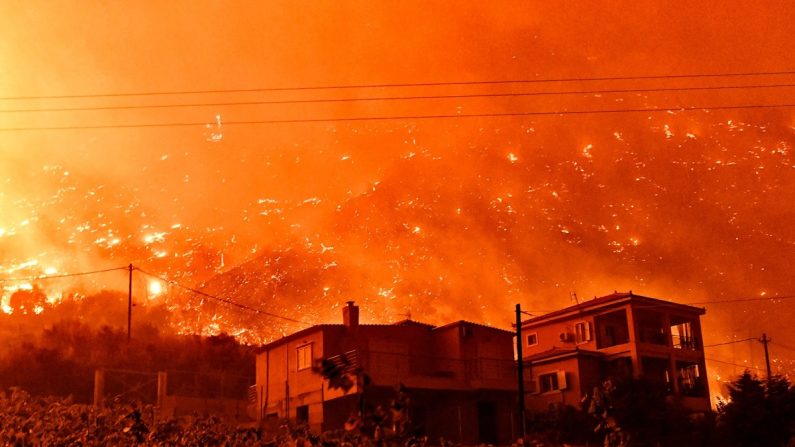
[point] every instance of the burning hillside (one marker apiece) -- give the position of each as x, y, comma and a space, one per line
288, 162
410, 223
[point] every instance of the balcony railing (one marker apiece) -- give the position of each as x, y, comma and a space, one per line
404, 367
690, 343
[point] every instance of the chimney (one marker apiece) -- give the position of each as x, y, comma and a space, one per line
350, 315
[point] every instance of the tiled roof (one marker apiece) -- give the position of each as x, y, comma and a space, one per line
473, 324
558, 352
401, 323
294, 335
613, 297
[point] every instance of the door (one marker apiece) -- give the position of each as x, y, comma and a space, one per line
487, 423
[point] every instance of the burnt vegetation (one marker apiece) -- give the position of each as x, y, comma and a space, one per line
58, 356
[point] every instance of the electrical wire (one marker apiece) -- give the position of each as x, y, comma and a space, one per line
734, 364
64, 275
729, 342
743, 300
781, 346
393, 98
217, 298
407, 84
402, 117
243, 306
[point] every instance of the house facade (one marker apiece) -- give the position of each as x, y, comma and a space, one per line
570, 351
460, 378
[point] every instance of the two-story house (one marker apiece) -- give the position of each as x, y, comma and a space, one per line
570, 351
460, 377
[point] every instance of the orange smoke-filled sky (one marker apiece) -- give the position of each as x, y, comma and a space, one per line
445, 218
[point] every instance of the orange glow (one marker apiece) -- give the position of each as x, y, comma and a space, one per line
155, 289
443, 218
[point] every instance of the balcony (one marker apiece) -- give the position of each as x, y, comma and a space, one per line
612, 329
684, 334
434, 372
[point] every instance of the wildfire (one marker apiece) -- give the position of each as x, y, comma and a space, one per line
155, 288
450, 221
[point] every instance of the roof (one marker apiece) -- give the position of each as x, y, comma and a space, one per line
461, 322
319, 327
405, 322
559, 353
295, 335
401, 323
614, 298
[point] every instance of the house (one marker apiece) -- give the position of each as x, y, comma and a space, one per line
570, 351
460, 378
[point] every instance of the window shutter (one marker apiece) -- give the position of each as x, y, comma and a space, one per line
562, 380
587, 331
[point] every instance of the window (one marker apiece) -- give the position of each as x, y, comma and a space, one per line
582, 331
690, 383
682, 334
610, 335
611, 329
302, 414
532, 339
304, 356
553, 381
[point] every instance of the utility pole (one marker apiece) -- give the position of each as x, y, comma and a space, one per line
764, 340
520, 369
129, 306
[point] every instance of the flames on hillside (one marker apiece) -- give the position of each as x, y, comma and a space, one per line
460, 222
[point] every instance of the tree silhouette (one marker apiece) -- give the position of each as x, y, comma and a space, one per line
758, 413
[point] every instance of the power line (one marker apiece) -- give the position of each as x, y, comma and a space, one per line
217, 298
65, 275
402, 117
169, 281
734, 364
394, 98
741, 300
775, 343
413, 84
729, 342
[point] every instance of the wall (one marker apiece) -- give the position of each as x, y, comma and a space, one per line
540, 402
548, 336
275, 366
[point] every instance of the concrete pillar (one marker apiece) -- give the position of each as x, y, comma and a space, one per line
674, 374
162, 388
637, 368
99, 386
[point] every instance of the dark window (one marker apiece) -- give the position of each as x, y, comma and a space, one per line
532, 339
548, 382
611, 329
